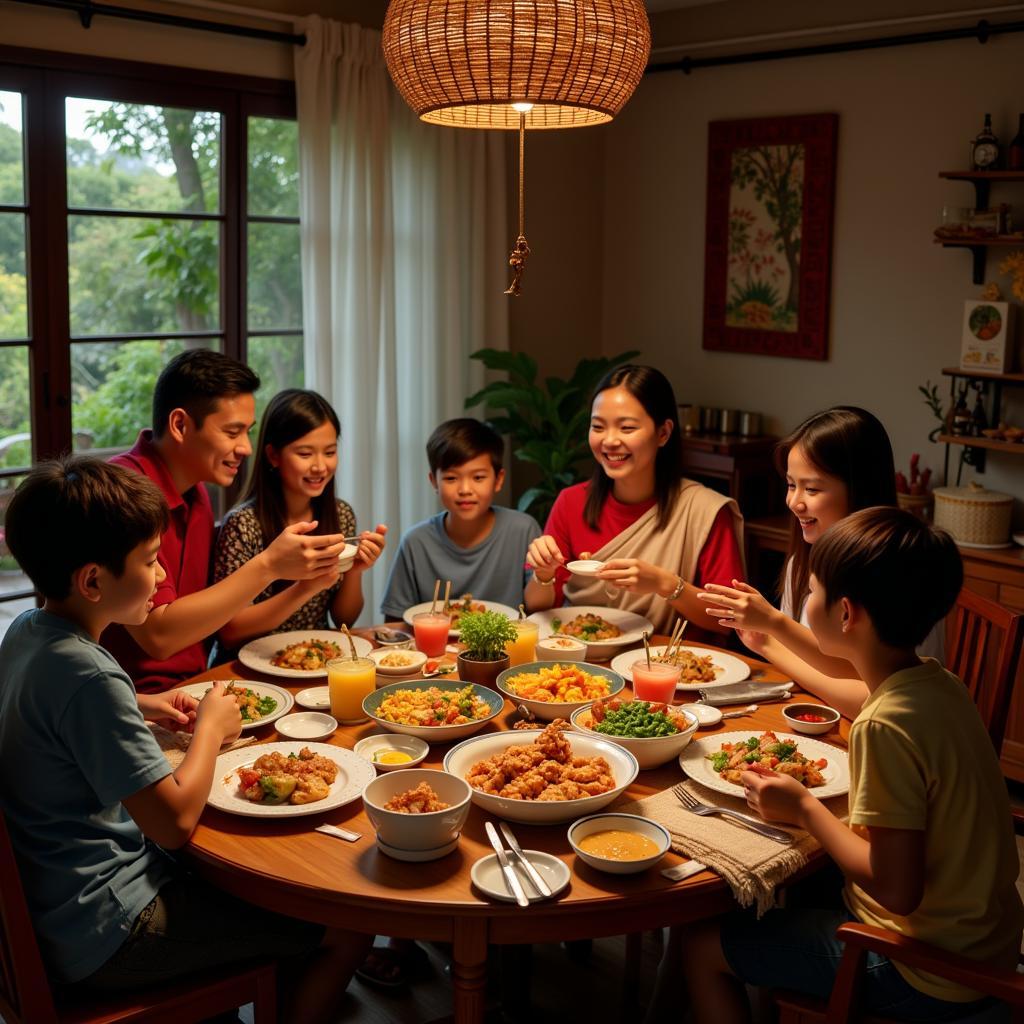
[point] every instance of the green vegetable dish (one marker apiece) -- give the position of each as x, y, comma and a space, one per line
638, 719
251, 705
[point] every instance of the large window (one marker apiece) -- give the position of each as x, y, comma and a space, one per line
138, 217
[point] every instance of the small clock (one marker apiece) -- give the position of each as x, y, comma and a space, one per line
985, 154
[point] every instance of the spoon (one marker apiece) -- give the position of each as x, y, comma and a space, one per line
748, 710
527, 714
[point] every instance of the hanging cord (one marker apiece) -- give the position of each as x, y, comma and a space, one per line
517, 257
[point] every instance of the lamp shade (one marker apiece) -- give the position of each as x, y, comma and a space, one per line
463, 63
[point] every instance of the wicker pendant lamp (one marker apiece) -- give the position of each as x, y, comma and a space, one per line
516, 64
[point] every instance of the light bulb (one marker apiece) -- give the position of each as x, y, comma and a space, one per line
522, 108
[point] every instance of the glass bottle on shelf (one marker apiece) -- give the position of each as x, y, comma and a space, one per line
1015, 154
985, 148
961, 422
979, 421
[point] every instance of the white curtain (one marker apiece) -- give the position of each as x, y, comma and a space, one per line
403, 265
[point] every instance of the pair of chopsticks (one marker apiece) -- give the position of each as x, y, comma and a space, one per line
675, 640
447, 595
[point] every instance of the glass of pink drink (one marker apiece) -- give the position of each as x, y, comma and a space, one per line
656, 682
431, 629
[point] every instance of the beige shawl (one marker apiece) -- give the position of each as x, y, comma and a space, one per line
677, 548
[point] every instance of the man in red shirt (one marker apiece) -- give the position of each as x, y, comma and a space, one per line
203, 410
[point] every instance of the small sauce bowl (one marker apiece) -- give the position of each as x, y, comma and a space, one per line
830, 718
372, 748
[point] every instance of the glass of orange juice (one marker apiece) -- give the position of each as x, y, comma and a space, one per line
524, 647
350, 681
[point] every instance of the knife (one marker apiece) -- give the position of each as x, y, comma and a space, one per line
542, 887
511, 881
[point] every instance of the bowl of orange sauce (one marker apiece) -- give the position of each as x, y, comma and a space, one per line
621, 844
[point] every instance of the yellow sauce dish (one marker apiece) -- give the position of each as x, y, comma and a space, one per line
621, 844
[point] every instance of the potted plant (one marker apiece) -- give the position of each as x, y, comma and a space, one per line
484, 635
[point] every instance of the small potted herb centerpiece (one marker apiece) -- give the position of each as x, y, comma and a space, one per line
484, 635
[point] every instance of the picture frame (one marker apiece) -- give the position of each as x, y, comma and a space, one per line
768, 235
986, 339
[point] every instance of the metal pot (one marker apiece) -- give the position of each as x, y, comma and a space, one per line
750, 424
709, 420
728, 421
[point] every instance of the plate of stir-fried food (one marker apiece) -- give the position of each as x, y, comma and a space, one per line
701, 668
258, 703
542, 776
301, 654
605, 631
287, 779
437, 711
458, 607
718, 762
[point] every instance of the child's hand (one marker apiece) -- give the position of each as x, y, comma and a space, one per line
545, 557
739, 605
774, 796
219, 711
371, 544
636, 576
174, 709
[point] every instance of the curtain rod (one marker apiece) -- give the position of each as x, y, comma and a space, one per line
87, 10
982, 31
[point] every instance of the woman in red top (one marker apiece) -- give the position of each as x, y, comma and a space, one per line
661, 537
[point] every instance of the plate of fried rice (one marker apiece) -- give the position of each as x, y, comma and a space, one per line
434, 710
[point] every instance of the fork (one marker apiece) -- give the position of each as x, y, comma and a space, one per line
691, 803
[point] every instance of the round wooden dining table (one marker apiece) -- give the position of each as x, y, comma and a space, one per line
286, 866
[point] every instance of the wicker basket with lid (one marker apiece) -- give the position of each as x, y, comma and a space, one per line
973, 515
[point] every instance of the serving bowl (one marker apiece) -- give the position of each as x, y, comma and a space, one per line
561, 648
831, 716
434, 733
434, 830
649, 751
626, 823
548, 711
462, 757
371, 747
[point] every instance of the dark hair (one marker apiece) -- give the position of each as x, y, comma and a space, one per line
456, 442
76, 510
195, 380
904, 573
291, 414
850, 444
652, 390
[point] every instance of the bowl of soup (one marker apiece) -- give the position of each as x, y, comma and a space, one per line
621, 844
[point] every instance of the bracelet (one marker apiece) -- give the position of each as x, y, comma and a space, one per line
680, 587
544, 583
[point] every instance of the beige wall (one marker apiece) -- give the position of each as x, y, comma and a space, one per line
897, 299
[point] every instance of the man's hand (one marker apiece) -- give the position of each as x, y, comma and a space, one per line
298, 554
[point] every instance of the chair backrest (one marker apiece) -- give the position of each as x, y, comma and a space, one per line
25, 996
984, 648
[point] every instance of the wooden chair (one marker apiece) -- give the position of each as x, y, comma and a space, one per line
983, 647
26, 996
844, 1004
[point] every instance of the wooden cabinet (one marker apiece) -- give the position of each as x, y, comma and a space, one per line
741, 467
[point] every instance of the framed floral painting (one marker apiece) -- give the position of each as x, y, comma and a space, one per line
768, 247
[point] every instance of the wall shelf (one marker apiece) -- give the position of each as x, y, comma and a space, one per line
974, 448
991, 443
982, 182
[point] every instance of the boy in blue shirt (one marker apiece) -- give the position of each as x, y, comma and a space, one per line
85, 789
929, 852
477, 545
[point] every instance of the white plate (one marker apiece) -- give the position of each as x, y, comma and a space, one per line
491, 606
488, 877
307, 725
631, 624
316, 698
353, 775
284, 699
256, 654
585, 566
694, 762
419, 659
729, 669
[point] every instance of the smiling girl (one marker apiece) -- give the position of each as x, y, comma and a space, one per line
661, 537
292, 481
835, 463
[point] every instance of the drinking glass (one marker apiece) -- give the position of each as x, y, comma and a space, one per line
655, 682
350, 681
431, 629
524, 647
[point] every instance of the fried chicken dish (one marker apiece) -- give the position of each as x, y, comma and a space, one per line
301, 778
421, 800
543, 770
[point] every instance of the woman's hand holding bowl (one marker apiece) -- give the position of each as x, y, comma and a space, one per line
637, 576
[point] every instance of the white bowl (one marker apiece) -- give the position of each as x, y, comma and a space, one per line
461, 758
372, 745
585, 566
624, 822
415, 661
790, 711
649, 751
561, 648
307, 725
548, 711
347, 557
417, 831
434, 733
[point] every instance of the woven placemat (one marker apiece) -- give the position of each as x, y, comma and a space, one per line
176, 744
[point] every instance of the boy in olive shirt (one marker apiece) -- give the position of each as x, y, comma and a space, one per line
929, 852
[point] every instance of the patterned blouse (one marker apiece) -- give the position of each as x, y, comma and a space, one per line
241, 538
